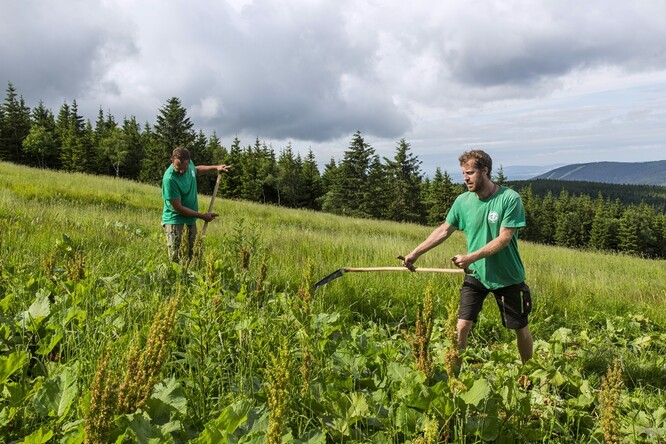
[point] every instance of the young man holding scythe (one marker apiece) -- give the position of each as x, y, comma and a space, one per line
490, 215
181, 201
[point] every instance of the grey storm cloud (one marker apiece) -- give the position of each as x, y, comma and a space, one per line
320, 70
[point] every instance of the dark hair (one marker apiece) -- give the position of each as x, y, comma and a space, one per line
481, 159
181, 154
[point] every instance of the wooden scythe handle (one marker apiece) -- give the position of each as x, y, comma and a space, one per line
212, 201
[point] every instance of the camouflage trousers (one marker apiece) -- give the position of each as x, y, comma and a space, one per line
174, 236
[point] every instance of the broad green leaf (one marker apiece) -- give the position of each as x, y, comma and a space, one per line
38, 437
479, 391
562, 335
358, 408
145, 431
55, 396
660, 417
558, 379
168, 395
73, 433
11, 363
37, 312
642, 342
397, 372
46, 347
406, 419
486, 427
312, 437
218, 430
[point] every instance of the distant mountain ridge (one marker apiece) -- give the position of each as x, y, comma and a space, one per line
630, 173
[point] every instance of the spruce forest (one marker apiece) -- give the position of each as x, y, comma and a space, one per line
361, 184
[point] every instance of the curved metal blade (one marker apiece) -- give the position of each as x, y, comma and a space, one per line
336, 274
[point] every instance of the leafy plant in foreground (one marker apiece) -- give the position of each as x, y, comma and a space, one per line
420, 340
277, 376
609, 398
109, 396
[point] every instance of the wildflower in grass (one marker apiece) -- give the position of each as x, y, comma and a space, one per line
430, 432
76, 266
420, 340
245, 258
277, 380
263, 270
211, 274
307, 363
144, 365
452, 357
197, 249
304, 295
48, 264
609, 400
103, 402
184, 249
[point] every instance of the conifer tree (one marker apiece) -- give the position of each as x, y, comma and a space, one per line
628, 231
547, 218
404, 185
312, 183
74, 149
603, 231
500, 178
14, 126
355, 181
230, 184
209, 152
374, 198
441, 195
250, 180
330, 199
41, 144
173, 129
289, 177
135, 146
201, 156
531, 231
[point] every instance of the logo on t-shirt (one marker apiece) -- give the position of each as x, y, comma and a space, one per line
493, 217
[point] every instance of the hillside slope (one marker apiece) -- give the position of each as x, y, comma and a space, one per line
637, 173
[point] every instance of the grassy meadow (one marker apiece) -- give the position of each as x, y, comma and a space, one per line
104, 340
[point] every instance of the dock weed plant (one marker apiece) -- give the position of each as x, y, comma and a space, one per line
609, 400
419, 340
103, 339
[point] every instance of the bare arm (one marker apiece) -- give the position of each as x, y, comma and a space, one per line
492, 247
179, 208
439, 235
208, 168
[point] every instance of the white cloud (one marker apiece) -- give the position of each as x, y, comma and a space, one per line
527, 79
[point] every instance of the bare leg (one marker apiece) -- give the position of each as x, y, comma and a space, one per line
464, 328
524, 337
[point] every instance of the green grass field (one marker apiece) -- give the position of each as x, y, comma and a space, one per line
83, 269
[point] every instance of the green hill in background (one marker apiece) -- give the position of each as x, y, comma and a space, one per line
643, 173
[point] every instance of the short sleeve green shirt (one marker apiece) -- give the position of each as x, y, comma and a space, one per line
481, 220
183, 187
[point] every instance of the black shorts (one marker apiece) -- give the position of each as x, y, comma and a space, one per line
514, 302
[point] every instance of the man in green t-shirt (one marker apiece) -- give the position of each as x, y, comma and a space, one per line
181, 201
490, 215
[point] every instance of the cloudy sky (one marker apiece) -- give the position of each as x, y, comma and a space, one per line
532, 82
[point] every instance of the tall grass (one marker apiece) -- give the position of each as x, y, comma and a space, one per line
83, 266
117, 224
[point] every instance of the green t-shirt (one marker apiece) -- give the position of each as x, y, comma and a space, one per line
481, 221
183, 187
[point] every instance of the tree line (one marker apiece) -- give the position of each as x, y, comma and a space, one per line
361, 184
